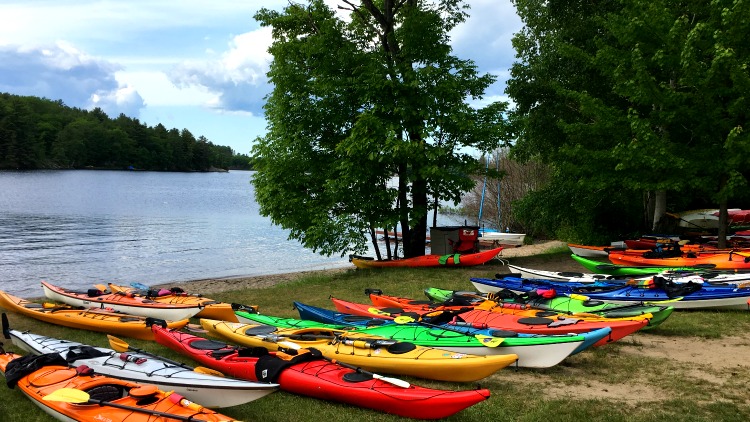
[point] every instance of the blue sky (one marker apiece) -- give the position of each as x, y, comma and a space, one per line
194, 64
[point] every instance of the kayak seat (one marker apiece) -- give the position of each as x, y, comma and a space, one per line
401, 347
108, 392
355, 377
591, 303
503, 333
355, 318
207, 345
535, 321
129, 319
260, 330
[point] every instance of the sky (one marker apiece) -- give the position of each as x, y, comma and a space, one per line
187, 64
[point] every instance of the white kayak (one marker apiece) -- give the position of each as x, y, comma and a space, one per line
122, 302
698, 276
208, 390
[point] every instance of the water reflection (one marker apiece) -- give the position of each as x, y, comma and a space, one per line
78, 228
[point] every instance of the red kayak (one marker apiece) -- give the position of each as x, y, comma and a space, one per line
322, 379
479, 318
452, 260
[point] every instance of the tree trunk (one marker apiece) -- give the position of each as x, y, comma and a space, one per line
660, 208
416, 243
723, 220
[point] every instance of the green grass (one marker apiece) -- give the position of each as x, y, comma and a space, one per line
581, 388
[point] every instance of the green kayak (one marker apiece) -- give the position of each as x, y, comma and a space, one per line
564, 304
626, 270
533, 351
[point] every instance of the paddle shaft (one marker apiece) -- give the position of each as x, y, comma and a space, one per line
150, 412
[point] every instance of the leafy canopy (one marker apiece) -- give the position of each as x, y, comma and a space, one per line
368, 121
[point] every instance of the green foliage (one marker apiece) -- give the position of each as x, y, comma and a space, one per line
366, 122
633, 96
36, 133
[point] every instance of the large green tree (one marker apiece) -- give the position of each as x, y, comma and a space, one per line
635, 96
369, 121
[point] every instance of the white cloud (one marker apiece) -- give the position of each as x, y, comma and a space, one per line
61, 71
238, 78
124, 100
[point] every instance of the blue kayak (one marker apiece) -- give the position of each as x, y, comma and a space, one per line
662, 291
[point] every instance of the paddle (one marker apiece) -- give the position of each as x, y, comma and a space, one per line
121, 346
488, 341
395, 381
72, 395
654, 302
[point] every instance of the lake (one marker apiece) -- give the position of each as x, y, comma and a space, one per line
76, 228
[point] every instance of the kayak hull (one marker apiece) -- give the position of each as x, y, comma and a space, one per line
129, 304
421, 362
85, 319
707, 297
479, 318
532, 352
456, 260
209, 390
326, 381
48, 379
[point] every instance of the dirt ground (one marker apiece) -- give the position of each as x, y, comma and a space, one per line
729, 356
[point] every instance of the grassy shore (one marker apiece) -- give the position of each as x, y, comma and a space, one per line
694, 367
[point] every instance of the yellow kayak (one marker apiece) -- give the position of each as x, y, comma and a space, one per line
115, 323
372, 353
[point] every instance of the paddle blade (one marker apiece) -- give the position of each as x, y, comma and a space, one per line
395, 381
68, 395
489, 341
288, 345
139, 286
117, 344
582, 298
404, 319
207, 371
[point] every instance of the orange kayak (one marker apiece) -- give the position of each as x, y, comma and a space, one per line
76, 394
114, 323
731, 260
453, 260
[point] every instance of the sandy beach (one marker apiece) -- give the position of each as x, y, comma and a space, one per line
216, 285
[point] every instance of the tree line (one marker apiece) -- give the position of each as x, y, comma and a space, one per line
38, 133
639, 107
635, 107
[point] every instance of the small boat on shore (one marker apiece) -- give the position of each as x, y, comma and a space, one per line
79, 394
100, 320
369, 352
122, 302
532, 351
322, 379
451, 260
208, 389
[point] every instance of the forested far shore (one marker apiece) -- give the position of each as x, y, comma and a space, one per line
38, 133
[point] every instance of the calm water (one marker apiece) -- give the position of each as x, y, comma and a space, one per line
78, 228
